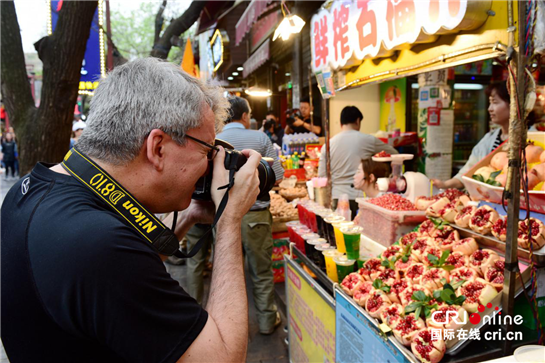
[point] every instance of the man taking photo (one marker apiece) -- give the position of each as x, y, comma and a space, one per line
79, 282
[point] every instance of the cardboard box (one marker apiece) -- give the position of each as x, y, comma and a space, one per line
482, 191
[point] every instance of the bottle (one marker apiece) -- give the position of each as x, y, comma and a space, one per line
295, 160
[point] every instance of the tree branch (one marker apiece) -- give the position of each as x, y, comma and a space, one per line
15, 86
159, 20
176, 28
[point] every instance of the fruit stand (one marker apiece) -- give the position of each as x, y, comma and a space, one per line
436, 279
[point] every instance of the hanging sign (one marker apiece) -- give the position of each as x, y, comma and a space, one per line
93, 66
351, 31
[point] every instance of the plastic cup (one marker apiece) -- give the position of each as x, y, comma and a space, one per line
291, 229
330, 265
352, 236
345, 266
318, 255
309, 248
360, 263
330, 232
299, 241
339, 238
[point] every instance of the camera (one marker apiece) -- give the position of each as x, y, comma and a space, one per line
234, 160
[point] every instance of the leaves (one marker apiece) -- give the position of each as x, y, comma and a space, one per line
478, 177
439, 262
389, 263
422, 304
491, 179
448, 295
419, 296
494, 174
380, 285
439, 223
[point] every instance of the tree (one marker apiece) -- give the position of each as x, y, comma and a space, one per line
43, 133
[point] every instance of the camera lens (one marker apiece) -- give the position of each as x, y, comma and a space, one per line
266, 179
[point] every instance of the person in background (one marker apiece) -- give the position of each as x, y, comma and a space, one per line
499, 99
77, 129
348, 148
9, 149
302, 122
273, 131
367, 174
16, 164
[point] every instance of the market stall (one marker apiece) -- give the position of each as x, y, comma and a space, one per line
422, 274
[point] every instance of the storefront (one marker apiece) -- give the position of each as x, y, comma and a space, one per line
412, 257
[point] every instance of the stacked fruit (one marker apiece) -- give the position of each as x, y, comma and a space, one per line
429, 270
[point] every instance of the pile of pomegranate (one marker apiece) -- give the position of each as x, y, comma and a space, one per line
456, 208
535, 157
386, 286
393, 202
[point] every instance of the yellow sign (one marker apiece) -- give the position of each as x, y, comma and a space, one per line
393, 98
311, 319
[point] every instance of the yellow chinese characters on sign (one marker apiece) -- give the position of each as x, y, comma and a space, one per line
311, 321
88, 86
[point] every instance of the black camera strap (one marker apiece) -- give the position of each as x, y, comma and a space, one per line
121, 201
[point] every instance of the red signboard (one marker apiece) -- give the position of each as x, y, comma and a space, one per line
351, 31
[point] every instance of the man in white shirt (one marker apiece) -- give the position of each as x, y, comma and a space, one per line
348, 149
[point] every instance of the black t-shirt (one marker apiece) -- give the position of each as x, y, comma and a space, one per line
79, 285
301, 129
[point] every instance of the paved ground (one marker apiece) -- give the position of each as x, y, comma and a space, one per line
263, 349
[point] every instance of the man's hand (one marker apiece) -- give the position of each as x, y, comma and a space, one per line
298, 122
246, 188
438, 183
201, 212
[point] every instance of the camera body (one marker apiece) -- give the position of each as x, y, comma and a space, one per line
234, 160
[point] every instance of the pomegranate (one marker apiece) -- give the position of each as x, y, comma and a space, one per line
406, 295
478, 292
403, 266
422, 203
388, 276
392, 315
480, 260
414, 273
466, 246
457, 259
420, 246
533, 179
494, 274
376, 303
408, 239
463, 273
433, 278
351, 283
538, 234
540, 171
435, 209
452, 209
362, 292
426, 228
392, 251
462, 218
428, 348
396, 288
483, 219
499, 229
502, 179
499, 160
430, 251
447, 232
533, 153
440, 319
371, 267
542, 157
407, 327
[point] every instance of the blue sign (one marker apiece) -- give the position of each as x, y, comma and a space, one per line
357, 340
92, 67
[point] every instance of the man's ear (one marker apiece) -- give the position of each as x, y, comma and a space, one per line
156, 148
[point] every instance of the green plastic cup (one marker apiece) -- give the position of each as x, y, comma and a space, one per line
345, 266
352, 236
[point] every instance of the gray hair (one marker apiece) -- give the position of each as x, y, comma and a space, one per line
143, 95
